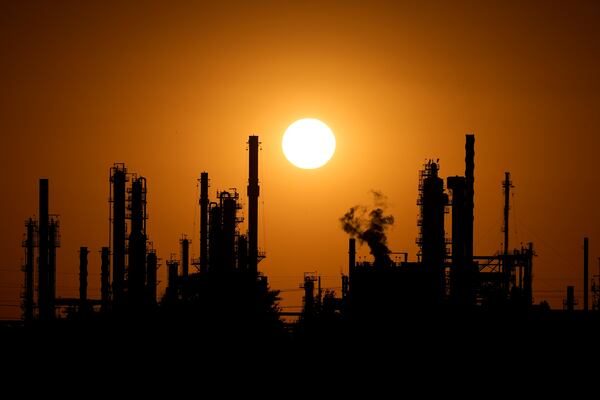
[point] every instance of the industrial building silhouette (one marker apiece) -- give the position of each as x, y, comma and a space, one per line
224, 288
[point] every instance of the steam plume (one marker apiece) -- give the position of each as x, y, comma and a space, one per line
368, 225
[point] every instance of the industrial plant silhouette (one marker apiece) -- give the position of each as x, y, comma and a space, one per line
223, 294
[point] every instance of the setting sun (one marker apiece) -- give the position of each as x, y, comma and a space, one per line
308, 143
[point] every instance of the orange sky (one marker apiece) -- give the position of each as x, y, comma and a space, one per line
172, 90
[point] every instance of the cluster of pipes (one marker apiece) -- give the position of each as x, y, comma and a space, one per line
134, 263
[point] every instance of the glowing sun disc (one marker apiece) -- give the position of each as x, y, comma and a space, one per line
308, 143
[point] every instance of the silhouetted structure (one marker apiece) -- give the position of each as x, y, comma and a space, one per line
48, 241
470, 197
570, 301
204, 203
586, 281
29, 244
309, 306
118, 179
253, 193
227, 286
136, 269
461, 272
185, 257
432, 239
151, 282
460, 279
227, 291
596, 290
506, 185
172, 281
53, 244
83, 276
43, 257
43, 234
105, 279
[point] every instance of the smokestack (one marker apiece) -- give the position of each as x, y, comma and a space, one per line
43, 252
215, 243
506, 185
351, 265
29, 245
185, 257
228, 207
83, 276
470, 195
105, 279
585, 273
118, 178
152, 263
351, 254
253, 193
309, 296
528, 278
204, 222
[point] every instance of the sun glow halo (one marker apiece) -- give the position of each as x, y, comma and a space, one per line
308, 143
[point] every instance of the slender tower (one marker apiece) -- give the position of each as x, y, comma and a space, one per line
506, 267
253, 193
118, 178
204, 222
470, 194
83, 277
586, 285
43, 244
29, 245
185, 257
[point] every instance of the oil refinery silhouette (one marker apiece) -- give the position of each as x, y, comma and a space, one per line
223, 294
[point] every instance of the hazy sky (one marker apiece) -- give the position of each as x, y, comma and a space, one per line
175, 89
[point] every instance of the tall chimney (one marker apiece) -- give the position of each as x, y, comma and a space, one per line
185, 257
44, 311
507, 184
105, 279
585, 274
506, 267
351, 264
253, 193
29, 268
215, 248
470, 194
83, 275
528, 278
118, 178
204, 222
229, 208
